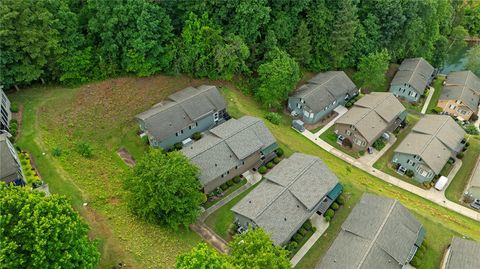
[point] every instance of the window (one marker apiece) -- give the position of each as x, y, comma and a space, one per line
348, 132
299, 106
452, 106
216, 116
458, 102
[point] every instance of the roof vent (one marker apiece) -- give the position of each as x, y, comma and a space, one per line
215, 165
298, 206
250, 201
285, 219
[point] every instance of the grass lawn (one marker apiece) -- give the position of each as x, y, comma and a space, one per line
384, 163
330, 137
437, 84
455, 190
101, 114
231, 189
446, 169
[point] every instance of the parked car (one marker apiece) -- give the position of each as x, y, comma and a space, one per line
476, 204
441, 183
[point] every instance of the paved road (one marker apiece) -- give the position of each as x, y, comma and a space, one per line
432, 196
429, 97
321, 225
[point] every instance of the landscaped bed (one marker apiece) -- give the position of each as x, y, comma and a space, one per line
223, 191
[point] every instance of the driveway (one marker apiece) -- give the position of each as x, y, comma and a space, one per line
321, 225
370, 159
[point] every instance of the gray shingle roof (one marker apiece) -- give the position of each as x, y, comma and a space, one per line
287, 196
181, 109
324, 88
433, 138
464, 254
379, 233
415, 72
225, 146
372, 114
8, 160
464, 86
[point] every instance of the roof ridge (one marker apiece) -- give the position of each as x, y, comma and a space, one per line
286, 188
374, 239
372, 110
415, 69
432, 137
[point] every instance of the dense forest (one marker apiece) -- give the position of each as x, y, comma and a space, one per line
74, 41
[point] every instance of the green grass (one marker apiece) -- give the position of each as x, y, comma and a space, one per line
384, 163
231, 189
330, 137
455, 190
302, 242
446, 169
437, 84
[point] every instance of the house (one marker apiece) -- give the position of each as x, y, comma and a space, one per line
231, 149
411, 79
184, 113
5, 113
288, 195
321, 95
379, 233
461, 95
10, 167
474, 186
462, 254
426, 150
368, 119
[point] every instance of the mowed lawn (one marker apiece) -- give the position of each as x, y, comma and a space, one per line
101, 114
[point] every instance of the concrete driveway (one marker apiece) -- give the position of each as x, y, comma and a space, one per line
370, 159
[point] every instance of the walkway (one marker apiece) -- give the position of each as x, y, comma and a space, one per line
442, 201
429, 97
321, 225
370, 159
340, 110
210, 236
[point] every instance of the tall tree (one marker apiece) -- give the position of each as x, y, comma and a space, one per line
300, 47
344, 28
42, 232
276, 78
249, 19
372, 69
319, 19
255, 249
164, 189
473, 60
203, 257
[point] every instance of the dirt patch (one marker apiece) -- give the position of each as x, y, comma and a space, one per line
114, 200
126, 156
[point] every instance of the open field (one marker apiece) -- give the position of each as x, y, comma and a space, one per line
101, 114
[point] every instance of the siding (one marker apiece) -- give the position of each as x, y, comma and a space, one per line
445, 105
401, 158
354, 136
294, 102
404, 92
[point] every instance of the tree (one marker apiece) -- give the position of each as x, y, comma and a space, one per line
319, 19
276, 78
42, 232
344, 27
248, 19
203, 257
164, 189
300, 46
372, 69
255, 249
473, 60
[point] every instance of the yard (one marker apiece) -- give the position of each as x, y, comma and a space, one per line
330, 137
438, 85
101, 114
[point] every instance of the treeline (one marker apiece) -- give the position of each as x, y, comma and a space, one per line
74, 41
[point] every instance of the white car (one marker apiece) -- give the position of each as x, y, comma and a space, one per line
441, 183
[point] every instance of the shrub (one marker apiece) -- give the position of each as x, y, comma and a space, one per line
178, 146
224, 186
13, 121
13, 132
335, 206
297, 238
361, 152
84, 149
379, 144
467, 144
262, 170
276, 160
236, 179
409, 173
307, 225
273, 117
474, 117
327, 218
341, 199
13, 125
460, 155
330, 213
230, 183
145, 140
437, 110
471, 129
450, 161
270, 165
291, 246
197, 136
280, 152
415, 262
14, 107
56, 152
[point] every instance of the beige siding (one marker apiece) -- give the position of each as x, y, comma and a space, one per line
455, 109
354, 136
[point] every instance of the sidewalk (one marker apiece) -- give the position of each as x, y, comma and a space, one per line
321, 226
429, 97
440, 200
340, 110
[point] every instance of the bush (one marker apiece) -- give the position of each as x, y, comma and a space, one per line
230, 183
13, 125
291, 246
178, 146
13, 132
471, 129
330, 213
415, 262
297, 238
361, 152
280, 152
307, 225
335, 206
273, 117
14, 107
276, 160
236, 179
270, 165
13, 121
467, 144
474, 117
437, 110
341, 199
145, 140
460, 155
84, 149
379, 144
56, 152
409, 173
197, 136
327, 218
224, 186
262, 170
